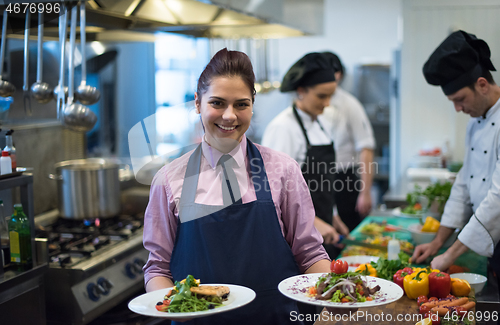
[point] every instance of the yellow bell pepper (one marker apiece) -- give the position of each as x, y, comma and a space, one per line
459, 287
416, 284
428, 270
366, 269
430, 225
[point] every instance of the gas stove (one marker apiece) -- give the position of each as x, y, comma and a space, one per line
93, 265
71, 242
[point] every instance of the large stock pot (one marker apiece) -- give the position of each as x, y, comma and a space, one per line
88, 188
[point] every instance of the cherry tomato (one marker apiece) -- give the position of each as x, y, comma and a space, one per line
432, 299
339, 267
461, 311
424, 309
161, 307
450, 296
421, 300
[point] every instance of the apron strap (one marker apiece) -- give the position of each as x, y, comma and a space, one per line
258, 174
301, 125
191, 179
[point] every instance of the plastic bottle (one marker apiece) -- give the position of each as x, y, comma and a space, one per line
393, 249
20, 239
5, 164
9, 147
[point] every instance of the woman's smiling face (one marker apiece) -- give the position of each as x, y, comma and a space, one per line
226, 110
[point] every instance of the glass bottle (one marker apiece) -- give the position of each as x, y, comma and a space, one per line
20, 239
4, 234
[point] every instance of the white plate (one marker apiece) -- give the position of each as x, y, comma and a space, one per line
296, 287
397, 213
361, 259
145, 304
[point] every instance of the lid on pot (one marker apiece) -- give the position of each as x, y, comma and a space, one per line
86, 164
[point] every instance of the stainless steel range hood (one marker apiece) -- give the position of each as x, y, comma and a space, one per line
137, 20
212, 19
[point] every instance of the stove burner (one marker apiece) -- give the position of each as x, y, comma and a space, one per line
70, 241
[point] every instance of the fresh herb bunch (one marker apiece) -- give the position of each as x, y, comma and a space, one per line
439, 192
386, 269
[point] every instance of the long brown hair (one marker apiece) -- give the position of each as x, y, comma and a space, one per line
227, 64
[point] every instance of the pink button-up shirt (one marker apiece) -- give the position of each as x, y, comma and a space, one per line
289, 191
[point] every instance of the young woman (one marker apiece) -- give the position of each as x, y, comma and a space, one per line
301, 132
198, 223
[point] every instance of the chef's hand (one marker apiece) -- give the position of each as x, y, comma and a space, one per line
364, 203
445, 260
422, 252
328, 232
340, 225
442, 262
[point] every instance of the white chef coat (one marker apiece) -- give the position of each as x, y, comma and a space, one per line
474, 202
351, 129
284, 134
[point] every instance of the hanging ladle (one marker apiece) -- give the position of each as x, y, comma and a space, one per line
61, 92
6, 88
26, 87
40, 90
85, 94
76, 116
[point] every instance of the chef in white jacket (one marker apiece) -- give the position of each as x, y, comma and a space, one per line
461, 65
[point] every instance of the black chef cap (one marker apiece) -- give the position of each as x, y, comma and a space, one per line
312, 69
335, 61
458, 62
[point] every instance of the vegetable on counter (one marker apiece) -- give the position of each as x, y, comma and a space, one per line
436, 192
417, 284
399, 277
460, 287
439, 284
366, 269
386, 269
431, 225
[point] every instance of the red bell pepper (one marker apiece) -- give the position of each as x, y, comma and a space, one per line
439, 284
398, 278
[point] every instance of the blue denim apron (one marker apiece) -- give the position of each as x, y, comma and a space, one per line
239, 244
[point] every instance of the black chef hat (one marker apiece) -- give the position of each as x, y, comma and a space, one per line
335, 61
312, 69
457, 62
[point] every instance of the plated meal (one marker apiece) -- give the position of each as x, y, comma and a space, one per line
347, 287
188, 296
344, 290
189, 299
